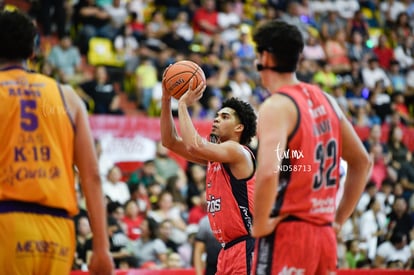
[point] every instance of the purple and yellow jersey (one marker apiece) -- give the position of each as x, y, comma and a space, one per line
309, 169
36, 144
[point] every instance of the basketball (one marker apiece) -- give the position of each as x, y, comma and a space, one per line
177, 76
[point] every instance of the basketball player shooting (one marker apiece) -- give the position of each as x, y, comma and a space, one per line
230, 171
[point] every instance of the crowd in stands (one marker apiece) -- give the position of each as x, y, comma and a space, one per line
361, 52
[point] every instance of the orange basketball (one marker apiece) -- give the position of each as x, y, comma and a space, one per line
177, 76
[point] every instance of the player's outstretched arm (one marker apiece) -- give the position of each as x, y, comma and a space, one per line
169, 136
359, 165
87, 164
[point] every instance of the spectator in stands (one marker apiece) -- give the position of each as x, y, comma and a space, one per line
118, 15
118, 239
206, 249
196, 175
205, 21
149, 250
357, 48
52, 13
240, 86
400, 221
353, 254
173, 40
373, 73
83, 242
331, 24
337, 53
394, 249
116, 189
361, 117
381, 169
174, 261
372, 227
358, 24
313, 49
384, 52
397, 77
102, 91
165, 165
167, 210
126, 46
244, 49
164, 234
325, 77
229, 22
398, 106
146, 79
380, 101
143, 175
370, 193
65, 60
404, 53
184, 29
386, 196
139, 193
91, 20
293, 16
132, 219
389, 11
401, 159
178, 188
197, 212
375, 137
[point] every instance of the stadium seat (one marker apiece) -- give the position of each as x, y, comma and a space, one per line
101, 52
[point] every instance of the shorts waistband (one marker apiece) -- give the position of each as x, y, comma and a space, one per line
33, 208
236, 241
292, 218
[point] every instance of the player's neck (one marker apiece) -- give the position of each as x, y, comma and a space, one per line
278, 80
12, 63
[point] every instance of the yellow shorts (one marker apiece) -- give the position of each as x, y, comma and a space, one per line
35, 240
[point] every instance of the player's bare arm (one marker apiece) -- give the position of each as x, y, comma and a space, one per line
86, 162
359, 165
273, 131
169, 136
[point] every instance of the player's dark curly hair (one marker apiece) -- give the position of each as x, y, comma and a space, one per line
283, 40
17, 35
246, 115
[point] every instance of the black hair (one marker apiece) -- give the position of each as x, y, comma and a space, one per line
17, 35
281, 39
246, 115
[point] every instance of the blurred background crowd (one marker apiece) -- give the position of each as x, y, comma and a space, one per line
114, 52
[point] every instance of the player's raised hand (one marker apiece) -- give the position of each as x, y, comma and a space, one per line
194, 93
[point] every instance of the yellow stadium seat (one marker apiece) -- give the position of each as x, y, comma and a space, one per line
101, 52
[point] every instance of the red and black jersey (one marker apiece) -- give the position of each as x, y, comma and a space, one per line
309, 169
229, 202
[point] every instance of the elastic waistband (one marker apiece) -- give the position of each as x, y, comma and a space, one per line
291, 218
236, 241
33, 208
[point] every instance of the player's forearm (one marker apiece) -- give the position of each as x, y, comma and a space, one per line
189, 134
96, 212
356, 179
168, 130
